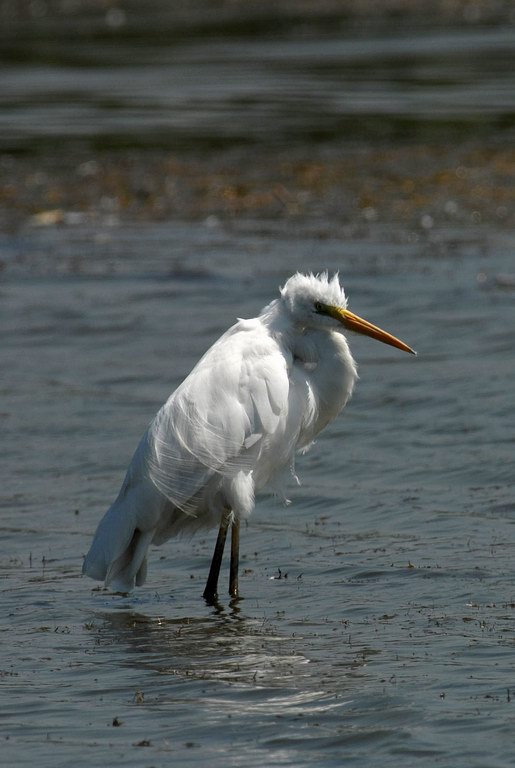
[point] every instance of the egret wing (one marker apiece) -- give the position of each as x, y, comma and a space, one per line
216, 422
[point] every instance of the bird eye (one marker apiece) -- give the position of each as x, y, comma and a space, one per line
318, 306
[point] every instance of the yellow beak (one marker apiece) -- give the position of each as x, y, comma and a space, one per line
355, 323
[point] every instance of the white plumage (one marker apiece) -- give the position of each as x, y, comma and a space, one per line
262, 392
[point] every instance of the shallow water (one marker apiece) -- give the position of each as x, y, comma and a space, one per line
378, 614
377, 624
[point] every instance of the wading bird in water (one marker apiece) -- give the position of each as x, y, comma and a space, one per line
261, 393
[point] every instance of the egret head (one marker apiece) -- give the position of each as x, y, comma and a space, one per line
304, 295
317, 301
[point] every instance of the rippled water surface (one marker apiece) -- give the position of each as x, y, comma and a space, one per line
377, 625
170, 75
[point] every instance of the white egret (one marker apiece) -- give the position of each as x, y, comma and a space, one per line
263, 391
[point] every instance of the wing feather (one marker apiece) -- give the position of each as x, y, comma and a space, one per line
214, 424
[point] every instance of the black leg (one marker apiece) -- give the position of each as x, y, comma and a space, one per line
235, 557
210, 591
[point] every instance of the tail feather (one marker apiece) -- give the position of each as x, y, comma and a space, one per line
131, 567
119, 550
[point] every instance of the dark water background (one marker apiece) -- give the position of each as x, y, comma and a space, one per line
377, 626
